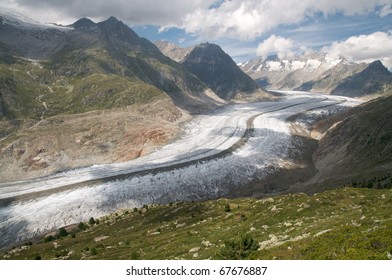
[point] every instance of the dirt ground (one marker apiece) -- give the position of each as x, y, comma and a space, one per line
64, 142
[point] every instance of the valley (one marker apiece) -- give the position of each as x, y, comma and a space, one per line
115, 147
217, 153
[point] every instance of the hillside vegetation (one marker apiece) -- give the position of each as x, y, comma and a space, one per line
346, 223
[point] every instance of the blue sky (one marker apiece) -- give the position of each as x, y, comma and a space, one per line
360, 30
313, 33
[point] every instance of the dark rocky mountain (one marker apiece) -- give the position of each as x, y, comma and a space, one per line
218, 70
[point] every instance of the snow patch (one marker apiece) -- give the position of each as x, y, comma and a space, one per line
296, 64
274, 66
313, 63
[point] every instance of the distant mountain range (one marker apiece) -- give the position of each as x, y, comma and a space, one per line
317, 72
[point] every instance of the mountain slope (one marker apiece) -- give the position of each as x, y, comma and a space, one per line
357, 147
217, 70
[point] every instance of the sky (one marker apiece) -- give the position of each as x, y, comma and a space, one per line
360, 30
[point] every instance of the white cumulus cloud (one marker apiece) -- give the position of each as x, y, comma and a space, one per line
155, 12
275, 45
365, 48
238, 19
247, 19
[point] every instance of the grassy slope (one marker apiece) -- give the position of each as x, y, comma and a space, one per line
27, 85
346, 223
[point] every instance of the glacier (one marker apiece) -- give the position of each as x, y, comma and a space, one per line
202, 164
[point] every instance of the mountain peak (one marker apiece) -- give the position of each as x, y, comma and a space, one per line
83, 23
114, 27
209, 46
113, 23
112, 20
217, 70
378, 66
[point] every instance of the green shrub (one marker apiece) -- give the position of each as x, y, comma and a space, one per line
93, 251
239, 249
48, 238
91, 221
135, 256
82, 226
63, 232
227, 208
